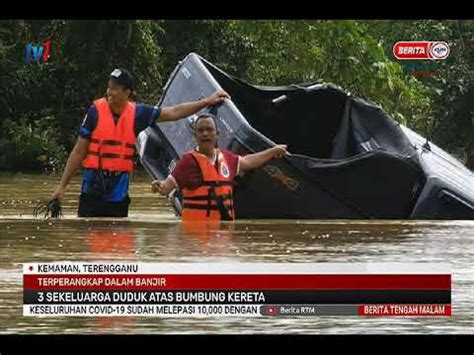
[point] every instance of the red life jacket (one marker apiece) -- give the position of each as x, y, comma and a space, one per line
112, 146
213, 199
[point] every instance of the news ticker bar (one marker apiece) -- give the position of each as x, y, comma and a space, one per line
236, 268
238, 297
231, 281
187, 289
232, 310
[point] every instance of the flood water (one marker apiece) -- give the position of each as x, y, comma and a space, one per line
153, 234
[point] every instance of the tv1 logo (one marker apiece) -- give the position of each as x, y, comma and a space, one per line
34, 54
421, 50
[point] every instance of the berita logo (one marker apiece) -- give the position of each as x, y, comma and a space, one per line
425, 50
36, 54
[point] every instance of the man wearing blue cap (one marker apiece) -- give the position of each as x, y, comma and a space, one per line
106, 145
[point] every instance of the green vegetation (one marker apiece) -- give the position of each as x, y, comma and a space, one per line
42, 105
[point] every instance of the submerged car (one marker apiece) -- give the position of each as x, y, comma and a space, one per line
349, 159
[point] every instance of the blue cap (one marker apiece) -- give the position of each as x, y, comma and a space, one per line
122, 77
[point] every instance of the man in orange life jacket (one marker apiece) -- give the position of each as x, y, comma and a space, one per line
205, 174
106, 145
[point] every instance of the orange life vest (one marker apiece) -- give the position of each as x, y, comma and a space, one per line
112, 146
213, 199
